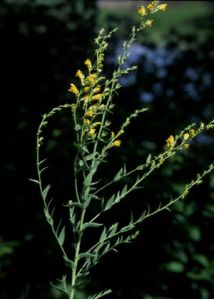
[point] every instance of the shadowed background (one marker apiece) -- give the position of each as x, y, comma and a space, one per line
43, 42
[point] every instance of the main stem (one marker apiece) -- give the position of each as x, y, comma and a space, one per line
76, 257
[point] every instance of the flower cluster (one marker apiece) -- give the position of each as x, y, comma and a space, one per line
186, 136
90, 95
151, 8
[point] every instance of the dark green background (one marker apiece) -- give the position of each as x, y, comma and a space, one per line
42, 45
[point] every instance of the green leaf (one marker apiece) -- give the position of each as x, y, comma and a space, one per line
86, 255
118, 175
106, 249
89, 157
148, 159
109, 203
112, 229
103, 235
201, 259
45, 191
48, 217
42, 161
85, 149
61, 237
34, 180
69, 263
175, 266
73, 204
42, 170
87, 181
100, 294
195, 233
91, 225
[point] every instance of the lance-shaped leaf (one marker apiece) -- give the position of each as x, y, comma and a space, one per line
61, 237
91, 225
100, 294
121, 173
115, 198
45, 191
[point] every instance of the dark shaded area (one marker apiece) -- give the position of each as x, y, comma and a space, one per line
41, 48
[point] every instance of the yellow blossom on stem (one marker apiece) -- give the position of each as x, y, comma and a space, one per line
162, 6
150, 6
185, 136
88, 64
80, 75
91, 79
170, 142
191, 132
87, 89
86, 122
149, 23
91, 132
116, 143
97, 97
73, 89
89, 113
142, 11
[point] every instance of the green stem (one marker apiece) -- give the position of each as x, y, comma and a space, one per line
76, 257
40, 185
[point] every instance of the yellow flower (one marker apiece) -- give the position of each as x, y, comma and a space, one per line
88, 64
162, 6
185, 136
73, 89
86, 122
86, 89
150, 6
98, 97
80, 75
116, 143
89, 113
91, 79
91, 132
170, 142
149, 23
191, 132
142, 11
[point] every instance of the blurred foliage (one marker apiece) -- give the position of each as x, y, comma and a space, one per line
43, 42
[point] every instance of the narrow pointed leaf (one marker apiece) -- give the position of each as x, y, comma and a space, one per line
45, 191
61, 236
